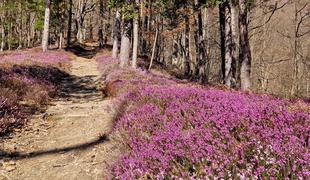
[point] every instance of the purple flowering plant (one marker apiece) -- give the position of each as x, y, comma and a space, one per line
175, 130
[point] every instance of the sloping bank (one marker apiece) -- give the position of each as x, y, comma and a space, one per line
174, 130
28, 81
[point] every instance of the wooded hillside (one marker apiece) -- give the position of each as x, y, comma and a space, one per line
255, 45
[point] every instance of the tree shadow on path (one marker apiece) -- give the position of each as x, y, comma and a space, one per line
80, 50
80, 147
71, 88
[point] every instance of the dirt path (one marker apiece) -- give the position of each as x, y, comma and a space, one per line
70, 140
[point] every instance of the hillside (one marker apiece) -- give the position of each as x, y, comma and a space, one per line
154, 89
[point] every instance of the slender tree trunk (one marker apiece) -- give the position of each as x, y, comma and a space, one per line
228, 29
245, 51
60, 45
200, 47
234, 41
222, 20
142, 27
101, 24
29, 31
20, 33
2, 30
80, 29
46, 26
10, 35
186, 62
69, 24
148, 27
135, 39
125, 43
2, 36
154, 47
116, 34
228, 47
295, 87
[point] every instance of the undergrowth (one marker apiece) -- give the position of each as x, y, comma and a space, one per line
187, 131
28, 80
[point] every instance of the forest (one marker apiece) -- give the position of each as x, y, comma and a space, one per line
154, 89
257, 45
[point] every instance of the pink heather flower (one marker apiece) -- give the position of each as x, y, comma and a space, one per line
188, 131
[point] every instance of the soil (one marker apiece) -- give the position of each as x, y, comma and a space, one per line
70, 140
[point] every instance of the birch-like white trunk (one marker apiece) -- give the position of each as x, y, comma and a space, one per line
60, 40
125, 44
2, 37
135, 39
116, 35
228, 46
46, 26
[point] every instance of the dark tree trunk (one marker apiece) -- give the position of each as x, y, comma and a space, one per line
201, 70
222, 34
100, 33
186, 62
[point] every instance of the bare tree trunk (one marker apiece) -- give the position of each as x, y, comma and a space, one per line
100, 33
2, 36
32, 29
228, 47
125, 43
80, 33
69, 24
20, 33
29, 33
186, 63
116, 34
135, 39
200, 47
2, 30
142, 27
226, 42
294, 87
222, 20
46, 26
60, 45
245, 51
154, 47
234, 40
10, 35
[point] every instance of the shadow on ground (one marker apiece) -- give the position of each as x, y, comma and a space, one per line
75, 88
70, 88
80, 50
84, 146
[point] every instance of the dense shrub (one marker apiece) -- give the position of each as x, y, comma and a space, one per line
28, 79
35, 55
187, 131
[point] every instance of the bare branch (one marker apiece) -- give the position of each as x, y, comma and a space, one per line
270, 16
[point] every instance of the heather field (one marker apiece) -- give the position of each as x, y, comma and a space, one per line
154, 89
28, 81
174, 130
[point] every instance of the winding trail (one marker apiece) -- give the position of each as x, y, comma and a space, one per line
70, 140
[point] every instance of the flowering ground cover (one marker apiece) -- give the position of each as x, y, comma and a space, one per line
28, 79
35, 55
174, 130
